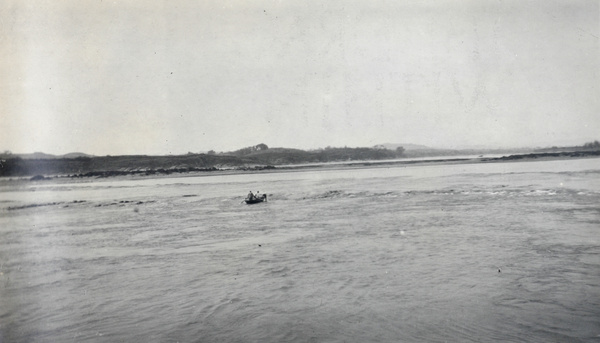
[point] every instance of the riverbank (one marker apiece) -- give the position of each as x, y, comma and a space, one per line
193, 171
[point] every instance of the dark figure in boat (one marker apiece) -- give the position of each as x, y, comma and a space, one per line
254, 199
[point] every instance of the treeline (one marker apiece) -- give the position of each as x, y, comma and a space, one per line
258, 157
595, 145
249, 150
261, 153
589, 146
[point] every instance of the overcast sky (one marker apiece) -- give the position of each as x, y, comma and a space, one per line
169, 77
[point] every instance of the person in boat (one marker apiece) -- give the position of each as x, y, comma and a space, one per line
264, 196
250, 196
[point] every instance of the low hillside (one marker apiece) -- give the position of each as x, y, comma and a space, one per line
257, 157
278, 156
111, 165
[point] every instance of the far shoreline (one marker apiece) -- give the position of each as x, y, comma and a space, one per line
440, 160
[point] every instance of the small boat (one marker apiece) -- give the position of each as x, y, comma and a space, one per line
256, 200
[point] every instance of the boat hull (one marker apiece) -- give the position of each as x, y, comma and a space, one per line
256, 200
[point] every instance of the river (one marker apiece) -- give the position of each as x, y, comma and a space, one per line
481, 252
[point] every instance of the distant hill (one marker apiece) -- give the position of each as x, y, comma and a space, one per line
393, 146
36, 156
76, 155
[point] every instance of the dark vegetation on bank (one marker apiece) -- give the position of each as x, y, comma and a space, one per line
258, 157
563, 154
590, 146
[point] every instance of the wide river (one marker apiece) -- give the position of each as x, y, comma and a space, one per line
498, 252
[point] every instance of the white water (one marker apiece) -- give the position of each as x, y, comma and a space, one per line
349, 255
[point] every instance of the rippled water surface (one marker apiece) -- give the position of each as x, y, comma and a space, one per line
430, 253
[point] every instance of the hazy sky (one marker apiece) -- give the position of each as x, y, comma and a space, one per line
160, 77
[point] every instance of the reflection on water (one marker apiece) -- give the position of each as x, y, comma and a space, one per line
461, 253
